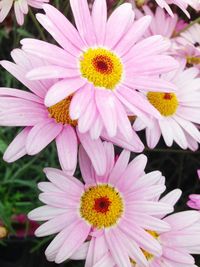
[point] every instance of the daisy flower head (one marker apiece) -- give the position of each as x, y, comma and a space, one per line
44, 124
103, 64
180, 112
117, 209
189, 45
20, 7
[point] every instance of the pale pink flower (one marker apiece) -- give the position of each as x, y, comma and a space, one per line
181, 241
20, 7
101, 64
161, 22
116, 208
177, 244
103, 257
43, 125
180, 112
189, 45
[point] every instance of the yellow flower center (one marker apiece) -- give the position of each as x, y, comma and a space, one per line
60, 112
193, 60
101, 67
146, 253
101, 206
165, 103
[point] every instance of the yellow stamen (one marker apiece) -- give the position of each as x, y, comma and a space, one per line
165, 103
101, 206
101, 67
60, 112
193, 60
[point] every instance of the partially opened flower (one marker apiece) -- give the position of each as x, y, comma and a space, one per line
118, 208
43, 125
189, 45
180, 112
20, 7
101, 64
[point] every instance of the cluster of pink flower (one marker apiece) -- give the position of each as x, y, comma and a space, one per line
83, 93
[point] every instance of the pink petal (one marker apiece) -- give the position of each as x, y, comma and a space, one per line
71, 186
117, 249
124, 17
61, 29
5, 9
87, 172
20, 94
52, 53
80, 101
18, 13
81, 253
96, 152
20, 74
83, 21
67, 145
56, 224
45, 213
62, 89
41, 135
75, 238
133, 35
105, 102
99, 17
17, 149
119, 167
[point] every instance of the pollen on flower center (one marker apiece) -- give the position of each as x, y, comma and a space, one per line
60, 112
101, 67
165, 103
101, 206
193, 60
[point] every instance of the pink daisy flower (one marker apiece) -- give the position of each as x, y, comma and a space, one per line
101, 64
20, 7
177, 244
117, 207
189, 45
180, 112
161, 22
103, 256
181, 241
43, 125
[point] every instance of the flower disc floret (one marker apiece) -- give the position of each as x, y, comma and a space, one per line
101, 206
60, 112
165, 103
101, 67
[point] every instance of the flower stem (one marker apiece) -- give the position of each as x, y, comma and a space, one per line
37, 25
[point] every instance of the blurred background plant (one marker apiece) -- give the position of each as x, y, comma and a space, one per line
18, 190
